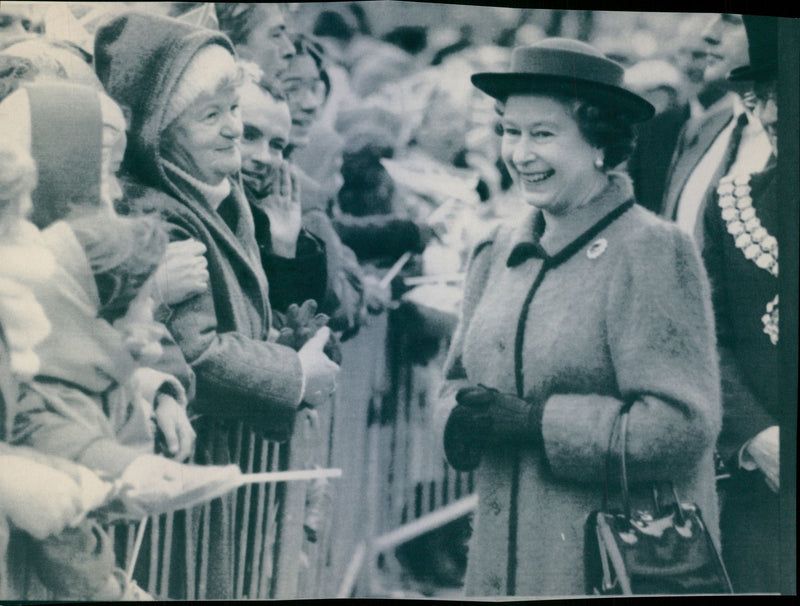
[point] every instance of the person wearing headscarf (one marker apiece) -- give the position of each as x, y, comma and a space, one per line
191, 175
44, 498
40, 495
586, 306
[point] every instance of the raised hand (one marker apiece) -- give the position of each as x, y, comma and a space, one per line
283, 209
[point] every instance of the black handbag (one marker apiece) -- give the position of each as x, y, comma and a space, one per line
663, 551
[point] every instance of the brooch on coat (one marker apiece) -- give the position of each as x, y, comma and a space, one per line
597, 248
758, 245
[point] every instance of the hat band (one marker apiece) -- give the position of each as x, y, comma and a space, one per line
559, 63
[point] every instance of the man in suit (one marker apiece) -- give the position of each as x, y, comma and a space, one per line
656, 138
719, 134
741, 256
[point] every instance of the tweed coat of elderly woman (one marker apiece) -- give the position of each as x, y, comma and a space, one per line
587, 303
179, 84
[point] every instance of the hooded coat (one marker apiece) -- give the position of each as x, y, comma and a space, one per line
612, 305
78, 406
223, 332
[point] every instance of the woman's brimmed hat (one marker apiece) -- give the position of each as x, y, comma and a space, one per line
566, 66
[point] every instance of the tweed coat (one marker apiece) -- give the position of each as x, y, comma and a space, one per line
621, 313
223, 332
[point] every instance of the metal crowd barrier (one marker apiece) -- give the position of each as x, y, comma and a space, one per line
395, 486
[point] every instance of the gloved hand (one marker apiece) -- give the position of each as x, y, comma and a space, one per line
465, 436
301, 323
504, 417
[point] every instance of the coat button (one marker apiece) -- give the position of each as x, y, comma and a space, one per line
494, 507
501, 346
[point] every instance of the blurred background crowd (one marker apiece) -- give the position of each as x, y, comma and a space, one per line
368, 166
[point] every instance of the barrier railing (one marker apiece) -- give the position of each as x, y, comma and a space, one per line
321, 539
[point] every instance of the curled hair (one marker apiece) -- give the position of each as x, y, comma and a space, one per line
600, 126
251, 71
123, 252
305, 45
13, 72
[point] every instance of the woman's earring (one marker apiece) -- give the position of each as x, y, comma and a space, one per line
598, 163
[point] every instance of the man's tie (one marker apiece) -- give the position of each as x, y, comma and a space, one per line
731, 151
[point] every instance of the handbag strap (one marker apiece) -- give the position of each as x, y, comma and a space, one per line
623, 439
626, 503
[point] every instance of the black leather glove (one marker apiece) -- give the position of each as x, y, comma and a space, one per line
465, 436
510, 419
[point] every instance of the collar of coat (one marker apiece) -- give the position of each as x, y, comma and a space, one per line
213, 194
525, 239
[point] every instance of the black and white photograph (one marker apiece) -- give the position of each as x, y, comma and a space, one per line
396, 300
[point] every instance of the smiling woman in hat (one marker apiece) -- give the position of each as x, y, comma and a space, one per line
588, 303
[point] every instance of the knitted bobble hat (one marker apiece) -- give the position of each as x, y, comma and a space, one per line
208, 67
140, 59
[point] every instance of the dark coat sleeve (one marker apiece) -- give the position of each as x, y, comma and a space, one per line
292, 280
743, 417
379, 236
344, 290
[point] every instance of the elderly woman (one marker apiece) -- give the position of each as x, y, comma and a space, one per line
179, 84
586, 304
183, 160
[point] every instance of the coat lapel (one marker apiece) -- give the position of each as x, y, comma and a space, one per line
688, 154
240, 245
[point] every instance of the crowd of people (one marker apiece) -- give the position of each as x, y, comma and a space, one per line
197, 205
